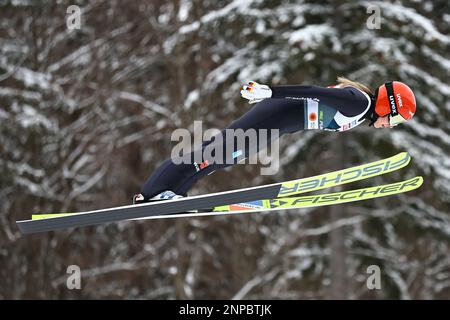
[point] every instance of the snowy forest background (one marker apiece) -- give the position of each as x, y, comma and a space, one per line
86, 115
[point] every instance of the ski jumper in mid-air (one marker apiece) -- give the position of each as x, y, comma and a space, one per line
287, 109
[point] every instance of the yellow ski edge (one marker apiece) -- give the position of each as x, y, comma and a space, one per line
49, 215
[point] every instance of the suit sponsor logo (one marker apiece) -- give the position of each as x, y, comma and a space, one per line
236, 154
348, 126
247, 205
200, 166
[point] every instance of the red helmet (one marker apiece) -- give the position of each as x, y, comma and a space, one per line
397, 100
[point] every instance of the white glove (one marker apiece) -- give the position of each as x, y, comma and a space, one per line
255, 92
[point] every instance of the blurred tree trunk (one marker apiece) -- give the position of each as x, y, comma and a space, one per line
182, 253
338, 276
337, 237
337, 258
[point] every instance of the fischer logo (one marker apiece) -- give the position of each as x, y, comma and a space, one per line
202, 165
342, 177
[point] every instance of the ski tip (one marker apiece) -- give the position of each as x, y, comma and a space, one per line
402, 159
420, 180
403, 155
413, 183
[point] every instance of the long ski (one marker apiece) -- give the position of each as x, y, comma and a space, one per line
270, 191
288, 203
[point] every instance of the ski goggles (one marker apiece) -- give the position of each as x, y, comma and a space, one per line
396, 119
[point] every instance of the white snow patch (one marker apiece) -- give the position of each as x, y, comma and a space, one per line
192, 97
3, 114
183, 12
403, 13
31, 117
311, 36
32, 78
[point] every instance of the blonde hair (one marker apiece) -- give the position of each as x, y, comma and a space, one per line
344, 82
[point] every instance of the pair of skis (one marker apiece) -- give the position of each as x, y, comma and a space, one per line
278, 196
